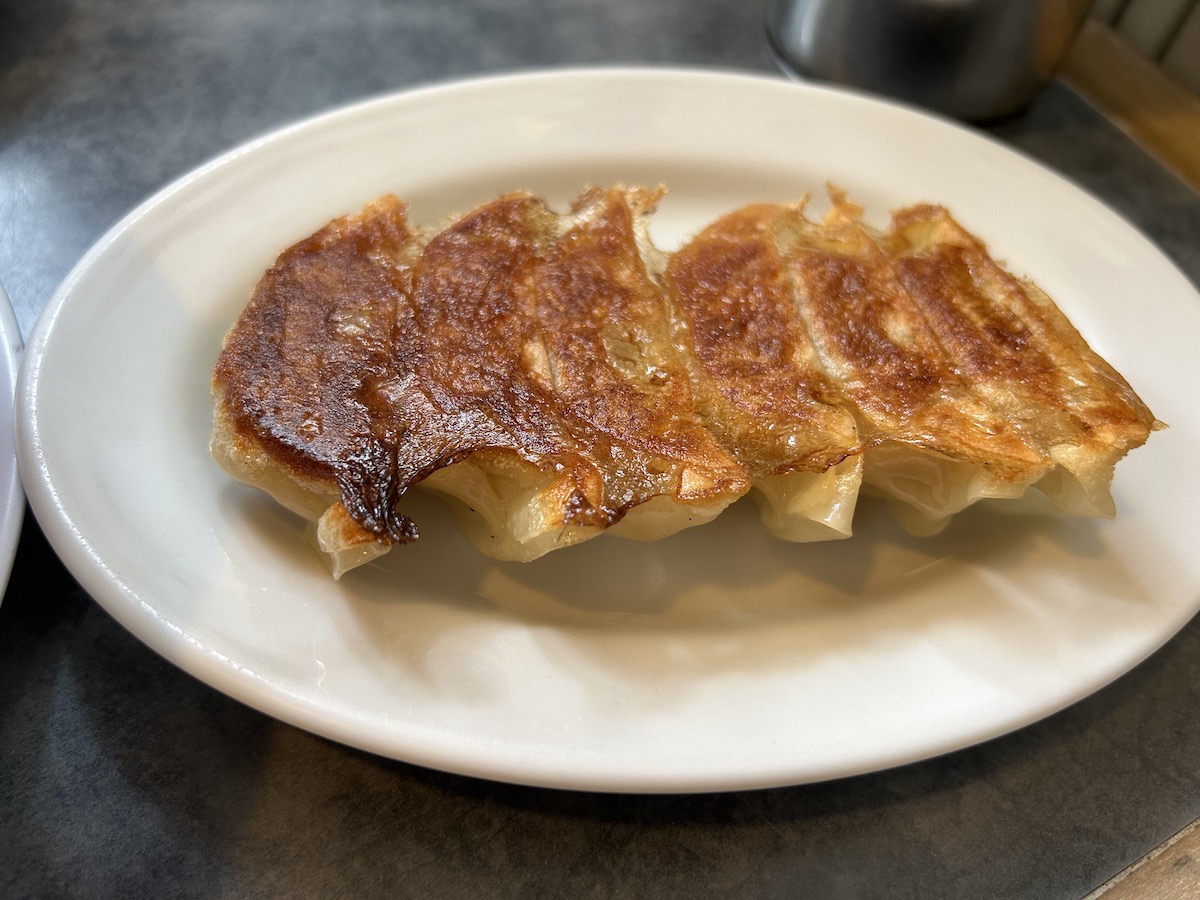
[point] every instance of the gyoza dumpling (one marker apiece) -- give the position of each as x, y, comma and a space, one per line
757, 378
547, 343
931, 441
1019, 352
294, 414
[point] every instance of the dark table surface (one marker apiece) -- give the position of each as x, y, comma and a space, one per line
122, 776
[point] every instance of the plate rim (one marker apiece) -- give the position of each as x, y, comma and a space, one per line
12, 493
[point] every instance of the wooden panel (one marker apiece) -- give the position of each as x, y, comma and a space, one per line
1150, 106
1170, 872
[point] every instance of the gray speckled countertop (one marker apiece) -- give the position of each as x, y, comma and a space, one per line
122, 776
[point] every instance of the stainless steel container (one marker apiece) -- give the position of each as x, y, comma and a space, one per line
970, 59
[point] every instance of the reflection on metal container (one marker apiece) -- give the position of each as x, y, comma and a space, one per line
971, 59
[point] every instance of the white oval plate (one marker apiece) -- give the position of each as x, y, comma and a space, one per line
717, 659
12, 497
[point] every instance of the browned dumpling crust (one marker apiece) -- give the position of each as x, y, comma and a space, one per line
759, 383
546, 345
1014, 345
758, 376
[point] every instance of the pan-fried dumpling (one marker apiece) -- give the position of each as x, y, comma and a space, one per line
757, 378
560, 347
932, 443
294, 413
1018, 350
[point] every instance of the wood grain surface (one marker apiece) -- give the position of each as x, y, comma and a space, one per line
1158, 112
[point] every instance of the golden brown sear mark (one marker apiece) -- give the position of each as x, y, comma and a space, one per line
295, 375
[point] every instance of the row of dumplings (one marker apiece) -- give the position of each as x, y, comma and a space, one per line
556, 376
